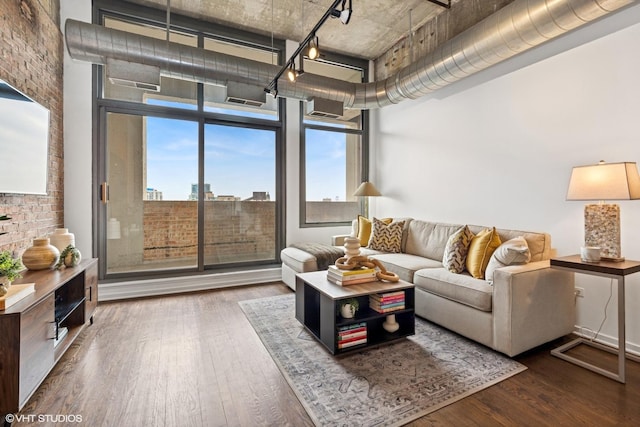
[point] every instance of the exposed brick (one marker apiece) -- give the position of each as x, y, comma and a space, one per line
32, 61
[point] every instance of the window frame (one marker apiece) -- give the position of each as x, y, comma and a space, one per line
117, 9
363, 132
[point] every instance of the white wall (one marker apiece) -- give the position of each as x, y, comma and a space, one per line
497, 148
77, 136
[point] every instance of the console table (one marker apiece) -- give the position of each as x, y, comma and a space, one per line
32, 336
612, 270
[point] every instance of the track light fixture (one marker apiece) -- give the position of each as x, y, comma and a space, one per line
289, 67
343, 14
292, 74
314, 49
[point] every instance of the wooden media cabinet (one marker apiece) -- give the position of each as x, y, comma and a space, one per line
37, 330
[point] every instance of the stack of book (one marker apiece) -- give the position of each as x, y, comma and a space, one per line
387, 302
351, 335
350, 277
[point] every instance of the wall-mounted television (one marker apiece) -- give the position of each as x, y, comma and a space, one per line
24, 143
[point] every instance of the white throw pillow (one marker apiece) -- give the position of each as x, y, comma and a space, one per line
512, 252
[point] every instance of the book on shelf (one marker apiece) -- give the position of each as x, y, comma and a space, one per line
386, 304
387, 295
15, 294
352, 326
352, 337
336, 270
352, 343
352, 331
388, 309
387, 300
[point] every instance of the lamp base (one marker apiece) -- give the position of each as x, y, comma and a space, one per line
602, 228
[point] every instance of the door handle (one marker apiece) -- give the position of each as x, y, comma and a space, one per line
104, 192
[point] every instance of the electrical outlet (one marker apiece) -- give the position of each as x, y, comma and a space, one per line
580, 292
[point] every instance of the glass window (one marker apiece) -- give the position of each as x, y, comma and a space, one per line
193, 185
333, 152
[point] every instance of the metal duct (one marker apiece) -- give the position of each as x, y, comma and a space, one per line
515, 28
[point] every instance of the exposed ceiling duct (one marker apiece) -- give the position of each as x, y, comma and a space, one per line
513, 29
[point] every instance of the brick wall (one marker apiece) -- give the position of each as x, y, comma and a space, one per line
31, 56
234, 231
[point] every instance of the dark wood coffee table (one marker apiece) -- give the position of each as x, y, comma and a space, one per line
318, 303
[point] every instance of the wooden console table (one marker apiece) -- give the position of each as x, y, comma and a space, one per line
612, 270
31, 337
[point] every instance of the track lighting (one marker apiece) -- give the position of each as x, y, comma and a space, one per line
344, 14
292, 74
307, 43
314, 51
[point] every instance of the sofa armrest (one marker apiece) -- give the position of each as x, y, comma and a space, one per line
338, 240
532, 304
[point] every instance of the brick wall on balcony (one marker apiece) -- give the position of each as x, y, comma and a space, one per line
31, 55
232, 229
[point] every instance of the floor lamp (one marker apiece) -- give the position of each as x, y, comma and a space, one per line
366, 190
604, 181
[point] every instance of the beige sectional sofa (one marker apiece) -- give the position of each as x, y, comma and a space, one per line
526, 305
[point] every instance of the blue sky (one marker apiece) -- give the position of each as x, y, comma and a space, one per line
238, 161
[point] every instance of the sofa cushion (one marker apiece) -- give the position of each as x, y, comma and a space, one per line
405, 265
429, 239
298, 260
386, 238
482, 247
512, 252
455, 252
539, 243
461, 288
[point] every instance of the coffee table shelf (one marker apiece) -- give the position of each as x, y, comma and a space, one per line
318, 304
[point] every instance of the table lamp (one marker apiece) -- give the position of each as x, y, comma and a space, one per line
366, 190
604, 181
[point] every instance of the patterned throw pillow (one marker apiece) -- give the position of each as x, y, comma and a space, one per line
386, 238
364, 229
455, 252
482, 247
512, 252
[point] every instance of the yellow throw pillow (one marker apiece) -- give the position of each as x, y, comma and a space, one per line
482, 247
364, 229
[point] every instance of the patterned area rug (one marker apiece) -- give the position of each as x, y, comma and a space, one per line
385, 386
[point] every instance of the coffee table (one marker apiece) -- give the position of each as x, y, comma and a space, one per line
318, 303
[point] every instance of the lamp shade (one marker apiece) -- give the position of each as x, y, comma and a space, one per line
605, 181
367, 189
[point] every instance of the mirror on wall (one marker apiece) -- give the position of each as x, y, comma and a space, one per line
24, 143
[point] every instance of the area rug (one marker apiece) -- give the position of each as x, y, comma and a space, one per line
385, 386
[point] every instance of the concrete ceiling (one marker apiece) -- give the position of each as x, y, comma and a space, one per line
375, 26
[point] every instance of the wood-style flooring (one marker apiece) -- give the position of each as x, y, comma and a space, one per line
194, 360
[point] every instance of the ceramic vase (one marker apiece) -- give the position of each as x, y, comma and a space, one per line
390, 325
61, 238
5, 284
351, 247
346, 311
41, 255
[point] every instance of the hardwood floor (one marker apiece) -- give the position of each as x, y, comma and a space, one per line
194, 360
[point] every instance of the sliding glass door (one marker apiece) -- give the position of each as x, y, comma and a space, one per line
151, 216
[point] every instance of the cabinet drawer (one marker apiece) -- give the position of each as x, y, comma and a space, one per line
37, 329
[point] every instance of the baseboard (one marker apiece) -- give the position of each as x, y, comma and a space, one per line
632, 348
174, 285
